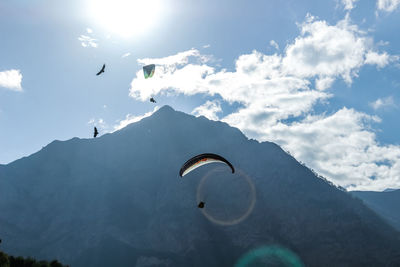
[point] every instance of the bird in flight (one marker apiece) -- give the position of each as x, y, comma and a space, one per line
95, 132
153, 100
102, 70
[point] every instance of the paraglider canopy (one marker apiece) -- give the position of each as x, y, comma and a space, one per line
201, 160
148, 70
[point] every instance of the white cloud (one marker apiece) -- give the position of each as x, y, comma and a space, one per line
382, 43
168, 75
206, 46
274, 44
126, 55
348, 4
341, 147
327, 51
208, 110
89, 30
11, 79
87, 41
381, 60
388, 5
180, 58
323, 83
133, 118
383, 103
270, 89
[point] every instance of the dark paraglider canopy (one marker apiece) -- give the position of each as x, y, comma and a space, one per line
201, 205
152, 100
102, 70
148, 70
95, 132
201, 160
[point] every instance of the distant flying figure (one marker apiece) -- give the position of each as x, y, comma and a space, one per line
152, 100
102, 70
201, 205
95, 132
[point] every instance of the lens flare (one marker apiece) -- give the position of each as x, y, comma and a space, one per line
270, 256
228, 198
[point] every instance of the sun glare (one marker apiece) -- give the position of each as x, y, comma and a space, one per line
126, 18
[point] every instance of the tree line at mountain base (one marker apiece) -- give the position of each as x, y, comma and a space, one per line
11, 261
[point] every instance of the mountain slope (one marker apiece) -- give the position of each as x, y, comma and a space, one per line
119, 198
386, 204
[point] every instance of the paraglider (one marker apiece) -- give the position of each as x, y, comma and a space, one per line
152, 100
95, 132
102, 70
201, 205
148, 70
201, 160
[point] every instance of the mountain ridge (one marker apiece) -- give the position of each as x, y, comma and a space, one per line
385, 204
73, 198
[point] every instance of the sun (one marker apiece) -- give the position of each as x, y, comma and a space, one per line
126, 18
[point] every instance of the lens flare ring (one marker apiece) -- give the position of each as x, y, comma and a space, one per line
239, 218
270, 256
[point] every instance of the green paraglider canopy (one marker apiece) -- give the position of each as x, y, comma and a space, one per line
148, 70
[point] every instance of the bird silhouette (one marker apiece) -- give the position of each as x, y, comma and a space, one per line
153, 100
95, 132
102, 70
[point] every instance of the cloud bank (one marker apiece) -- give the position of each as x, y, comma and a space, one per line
277, 95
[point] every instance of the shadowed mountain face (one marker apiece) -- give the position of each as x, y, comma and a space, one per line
386, 204
118, 200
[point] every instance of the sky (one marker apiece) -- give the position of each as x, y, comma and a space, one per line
319, 78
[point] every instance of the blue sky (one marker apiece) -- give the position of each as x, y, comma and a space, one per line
320, 78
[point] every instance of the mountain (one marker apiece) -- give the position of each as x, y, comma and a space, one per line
386, 204
389, 190
118, 200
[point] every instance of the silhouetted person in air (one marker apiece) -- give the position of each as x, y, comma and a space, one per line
95, 132
102, 70
201, 205
152, 100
